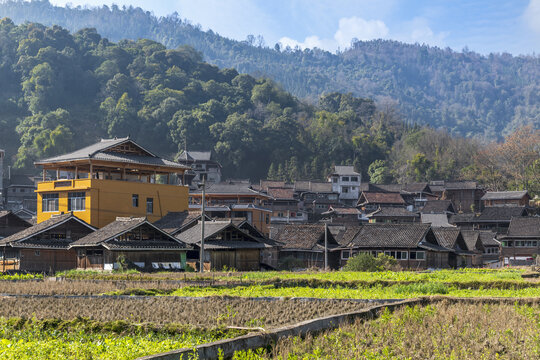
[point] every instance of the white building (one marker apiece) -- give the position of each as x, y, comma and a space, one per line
346, 182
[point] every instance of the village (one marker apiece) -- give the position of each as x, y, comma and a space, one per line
115, 204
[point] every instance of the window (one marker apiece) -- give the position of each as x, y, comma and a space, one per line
344, 189
149, 205
354, 178
418, 255
267, 219
76, 201
399, 255
135, 200
344, 178
345, 254
49, 202
37, 253
507, 243
334, 179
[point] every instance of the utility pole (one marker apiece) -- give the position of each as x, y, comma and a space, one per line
202, 224
326, 246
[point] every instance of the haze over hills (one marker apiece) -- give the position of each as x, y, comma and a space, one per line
464, 92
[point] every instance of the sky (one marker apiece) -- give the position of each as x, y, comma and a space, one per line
483, 26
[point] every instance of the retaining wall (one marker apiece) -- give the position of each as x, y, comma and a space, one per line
228, 347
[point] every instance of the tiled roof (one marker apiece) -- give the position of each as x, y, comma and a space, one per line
303, 237
488, 238
438, 207
195, 155
101, 151
382, 198
107, 235
343, 210
472, 240
41, 227
265, 184
438, 220
281, 193
20, 180
460, 185
504, 195
448, 237
345, 170
390, 235
524, 226
383, 212
230, 187
346, 236
500, 213
176, 221
312, 186
212, 229
461, 218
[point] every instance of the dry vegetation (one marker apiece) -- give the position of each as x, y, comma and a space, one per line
440, 331
208, 312
82, 287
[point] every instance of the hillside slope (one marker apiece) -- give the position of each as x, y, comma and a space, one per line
466, 93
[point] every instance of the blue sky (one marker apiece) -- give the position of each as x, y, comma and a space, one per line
483, 26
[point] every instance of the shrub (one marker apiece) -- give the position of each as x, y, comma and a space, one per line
367, 262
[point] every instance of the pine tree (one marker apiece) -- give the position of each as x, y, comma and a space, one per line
272, 175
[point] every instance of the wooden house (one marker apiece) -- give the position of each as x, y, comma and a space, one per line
175, 222
492, 247
414, 246
465, 195
45, 247
343, 214
395, 215
438, 207
452, 238
132, 240
369, 202
305, 243
497, 218
522, 242
486, 249
11, 224
225, 246
235, 199
506, 198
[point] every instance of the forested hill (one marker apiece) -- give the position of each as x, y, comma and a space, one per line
465, 92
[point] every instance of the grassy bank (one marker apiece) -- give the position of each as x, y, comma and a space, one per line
441, 331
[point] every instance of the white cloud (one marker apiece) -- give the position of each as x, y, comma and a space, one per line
418, 31
348, 29
532, 15
356, 27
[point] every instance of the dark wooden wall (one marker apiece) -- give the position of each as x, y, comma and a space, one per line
46, 260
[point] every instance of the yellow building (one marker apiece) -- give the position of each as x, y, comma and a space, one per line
114, 177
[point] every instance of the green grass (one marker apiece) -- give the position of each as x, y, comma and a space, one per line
373, 292
440, 331
20, 277
82, 339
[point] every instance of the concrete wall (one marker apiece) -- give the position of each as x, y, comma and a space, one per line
228, 347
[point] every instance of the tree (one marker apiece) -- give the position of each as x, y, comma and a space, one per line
379, 173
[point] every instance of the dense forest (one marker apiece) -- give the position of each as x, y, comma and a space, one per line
463, 92
61, 91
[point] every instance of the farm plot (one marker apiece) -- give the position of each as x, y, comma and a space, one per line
439, 331
208, 313
362, 292
47, 327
